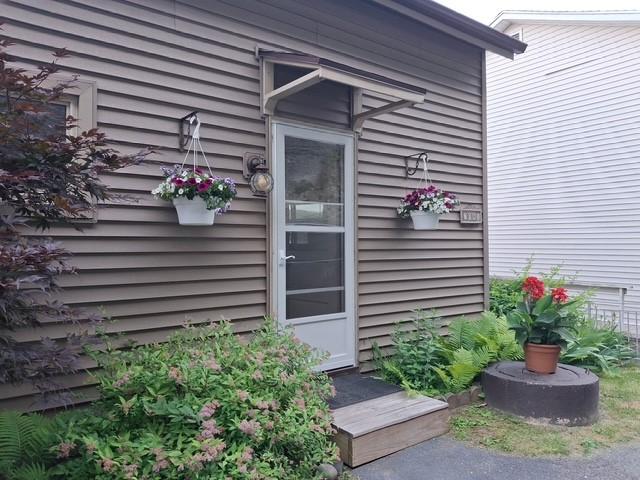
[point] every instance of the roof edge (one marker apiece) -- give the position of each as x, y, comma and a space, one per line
455, 24
508, 17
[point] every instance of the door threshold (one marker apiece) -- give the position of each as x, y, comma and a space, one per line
336, 372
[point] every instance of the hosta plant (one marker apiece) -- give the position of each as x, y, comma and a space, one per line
217, 192
206, 405
597, 347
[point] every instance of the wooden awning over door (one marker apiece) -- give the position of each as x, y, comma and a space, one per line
321, 69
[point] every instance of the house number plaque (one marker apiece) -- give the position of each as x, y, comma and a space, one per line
470, 216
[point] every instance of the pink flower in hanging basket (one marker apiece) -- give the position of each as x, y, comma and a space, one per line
428, 199
217, 192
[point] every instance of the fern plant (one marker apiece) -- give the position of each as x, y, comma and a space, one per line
471, 346
25, 445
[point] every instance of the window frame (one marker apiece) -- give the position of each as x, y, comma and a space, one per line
81, 100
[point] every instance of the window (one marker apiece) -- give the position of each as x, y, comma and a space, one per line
79, 102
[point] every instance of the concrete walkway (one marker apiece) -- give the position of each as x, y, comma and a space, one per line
447, 459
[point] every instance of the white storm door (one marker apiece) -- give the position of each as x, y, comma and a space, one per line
314, 239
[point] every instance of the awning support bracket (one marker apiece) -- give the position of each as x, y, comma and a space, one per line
359, 118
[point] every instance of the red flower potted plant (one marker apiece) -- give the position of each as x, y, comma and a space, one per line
544, 322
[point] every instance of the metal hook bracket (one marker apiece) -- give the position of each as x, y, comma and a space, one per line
183, 137
418, 157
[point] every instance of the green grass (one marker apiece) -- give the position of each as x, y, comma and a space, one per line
619, 423
347, 475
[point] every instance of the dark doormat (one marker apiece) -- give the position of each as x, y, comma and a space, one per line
355, 388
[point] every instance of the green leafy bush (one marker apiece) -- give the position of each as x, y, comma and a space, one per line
427, 362
417, 353
25, 442
504, 295
205, 405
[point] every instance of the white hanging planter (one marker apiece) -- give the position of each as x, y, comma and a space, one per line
424, 220
193, 212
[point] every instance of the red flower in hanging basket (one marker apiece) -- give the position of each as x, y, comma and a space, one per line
559, 295
533, 287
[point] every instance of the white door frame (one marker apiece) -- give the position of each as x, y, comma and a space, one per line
278, 233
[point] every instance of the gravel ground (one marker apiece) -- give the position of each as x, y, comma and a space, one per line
446, 459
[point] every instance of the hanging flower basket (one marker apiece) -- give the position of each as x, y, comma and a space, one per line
426, 205
197, 196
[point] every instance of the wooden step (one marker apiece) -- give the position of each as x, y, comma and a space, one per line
375, 428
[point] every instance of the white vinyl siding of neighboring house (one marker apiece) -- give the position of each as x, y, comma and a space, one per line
564, 153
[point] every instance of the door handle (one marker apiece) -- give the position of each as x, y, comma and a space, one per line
284, 257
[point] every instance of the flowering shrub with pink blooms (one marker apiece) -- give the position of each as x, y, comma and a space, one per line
205, 405
428, 199
217, 192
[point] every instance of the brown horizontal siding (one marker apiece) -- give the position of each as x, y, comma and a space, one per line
153, 62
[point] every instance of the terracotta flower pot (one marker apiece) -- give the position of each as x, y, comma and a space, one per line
541, 358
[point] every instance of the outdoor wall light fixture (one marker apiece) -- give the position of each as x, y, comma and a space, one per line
257, 172
420, 158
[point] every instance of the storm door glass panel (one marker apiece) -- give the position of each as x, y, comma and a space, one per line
314, 182
315, 278
315, 239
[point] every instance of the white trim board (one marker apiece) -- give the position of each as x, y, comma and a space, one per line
602, 17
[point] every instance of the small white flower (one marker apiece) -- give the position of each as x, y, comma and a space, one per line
198, 180
181, 191
220, 187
